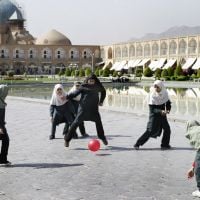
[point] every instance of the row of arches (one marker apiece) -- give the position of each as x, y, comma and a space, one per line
156, 48
47, 53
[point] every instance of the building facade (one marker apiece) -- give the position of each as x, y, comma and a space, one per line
21, 52
154, 53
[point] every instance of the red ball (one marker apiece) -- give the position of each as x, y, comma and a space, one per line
94, 145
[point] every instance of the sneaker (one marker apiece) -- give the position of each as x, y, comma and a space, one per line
105, 142
51, 137
196, 193
66, 143
136, 147
165, 147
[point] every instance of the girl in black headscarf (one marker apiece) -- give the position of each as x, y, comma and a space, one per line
88, 109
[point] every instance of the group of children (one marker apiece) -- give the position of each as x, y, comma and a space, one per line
82, 103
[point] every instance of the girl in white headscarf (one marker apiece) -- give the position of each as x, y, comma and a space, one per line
61, 110
159, 107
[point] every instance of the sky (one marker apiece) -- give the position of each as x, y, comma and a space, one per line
105, 22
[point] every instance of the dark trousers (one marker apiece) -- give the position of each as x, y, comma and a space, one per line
165, 138
81, 127
197, 168
5, 145
78, 120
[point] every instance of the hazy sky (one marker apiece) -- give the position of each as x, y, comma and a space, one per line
105, 22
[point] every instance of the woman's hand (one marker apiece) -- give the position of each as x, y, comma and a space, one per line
163, 112
190, 173
1, 131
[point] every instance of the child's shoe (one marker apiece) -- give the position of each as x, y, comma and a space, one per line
196, 193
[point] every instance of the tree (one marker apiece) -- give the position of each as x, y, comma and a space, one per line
81, 72
158, 73
88, 71
148, 72
106, 72
164, 73
178, 71
170, 71
67, 72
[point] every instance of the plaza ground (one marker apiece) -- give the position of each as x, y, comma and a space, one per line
44, 169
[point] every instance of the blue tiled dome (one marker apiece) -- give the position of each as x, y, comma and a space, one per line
7, 9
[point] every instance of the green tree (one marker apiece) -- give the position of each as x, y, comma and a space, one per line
81, 72
178, 71
198, 73
164, 73
88, 71
158, 73
67, 72
138, 72
97, 71
170, 71
106, 72
148, 72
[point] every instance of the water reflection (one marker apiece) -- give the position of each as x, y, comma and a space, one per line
185, 102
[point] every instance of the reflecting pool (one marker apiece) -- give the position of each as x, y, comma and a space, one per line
185, 101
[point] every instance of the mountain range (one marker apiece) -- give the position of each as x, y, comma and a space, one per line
169, 33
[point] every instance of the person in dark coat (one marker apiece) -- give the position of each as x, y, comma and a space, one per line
61, 111
75, 101
3, 132
159, 107
88, 109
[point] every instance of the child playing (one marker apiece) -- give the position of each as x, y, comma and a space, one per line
193, 134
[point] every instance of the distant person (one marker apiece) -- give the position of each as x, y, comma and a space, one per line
159, 107
3, 132
61, 111
75, 102
88, 109
193, 134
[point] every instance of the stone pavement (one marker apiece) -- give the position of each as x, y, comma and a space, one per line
46, 170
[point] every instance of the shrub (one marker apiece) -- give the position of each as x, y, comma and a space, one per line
114, 73
158, 73
67, 72
198, 73
170, 71
97, 71
138, 73
88, 71
178, 71
106, 72
148, 72
101, 72
164, 73
81, 72
181, 78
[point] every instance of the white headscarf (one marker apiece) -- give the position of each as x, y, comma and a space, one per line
158, 98
58, 100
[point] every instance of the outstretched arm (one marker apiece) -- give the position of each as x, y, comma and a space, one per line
103, 95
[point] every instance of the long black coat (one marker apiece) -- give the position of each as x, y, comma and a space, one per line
155, 123
88, 109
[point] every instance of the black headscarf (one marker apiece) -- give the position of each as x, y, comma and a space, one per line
94, 77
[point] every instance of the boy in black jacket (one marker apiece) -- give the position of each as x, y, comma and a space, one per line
3, 132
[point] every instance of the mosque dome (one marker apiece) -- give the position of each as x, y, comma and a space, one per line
7, 10
53, 37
